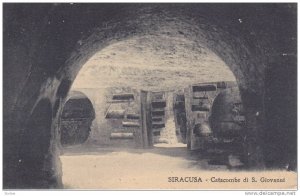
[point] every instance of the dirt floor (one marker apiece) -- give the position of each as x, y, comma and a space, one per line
162, 167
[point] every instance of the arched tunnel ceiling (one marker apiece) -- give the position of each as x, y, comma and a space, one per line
152, 62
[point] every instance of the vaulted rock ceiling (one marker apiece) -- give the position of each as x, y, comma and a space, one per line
152, 63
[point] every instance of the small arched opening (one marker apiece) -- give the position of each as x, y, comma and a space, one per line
34, 155
76, 119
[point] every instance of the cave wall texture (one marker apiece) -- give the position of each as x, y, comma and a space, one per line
45, 45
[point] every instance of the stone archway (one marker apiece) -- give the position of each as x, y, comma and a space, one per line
50, 53
168, 23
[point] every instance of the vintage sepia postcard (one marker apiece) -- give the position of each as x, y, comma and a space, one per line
150, 96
